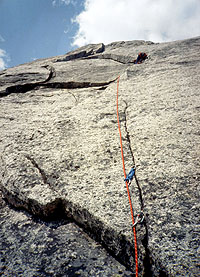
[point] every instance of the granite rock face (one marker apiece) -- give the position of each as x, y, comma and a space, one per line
32, 247
60, 154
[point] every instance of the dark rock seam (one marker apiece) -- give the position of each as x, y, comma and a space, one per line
59, 85
81, 54
60, 209
52, 73
29, 86
147, 261
41, 171
113, 57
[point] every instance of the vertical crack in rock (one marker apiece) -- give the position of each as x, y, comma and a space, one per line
147, 261
132, 155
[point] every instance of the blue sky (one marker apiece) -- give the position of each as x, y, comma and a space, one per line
32, 29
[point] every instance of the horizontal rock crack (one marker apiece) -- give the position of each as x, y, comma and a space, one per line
117, 58
63, 85
76, 85
115, 243
29, 86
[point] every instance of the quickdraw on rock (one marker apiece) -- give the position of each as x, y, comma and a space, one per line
139, 218
130, 176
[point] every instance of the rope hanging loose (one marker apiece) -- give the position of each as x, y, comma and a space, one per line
128, 178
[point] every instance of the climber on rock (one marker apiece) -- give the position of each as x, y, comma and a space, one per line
140, 58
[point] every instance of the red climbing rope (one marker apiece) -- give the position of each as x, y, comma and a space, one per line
127, 187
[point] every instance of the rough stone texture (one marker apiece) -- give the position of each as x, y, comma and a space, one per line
61, 157
31, 247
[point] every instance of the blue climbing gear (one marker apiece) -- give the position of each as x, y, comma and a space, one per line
129, 177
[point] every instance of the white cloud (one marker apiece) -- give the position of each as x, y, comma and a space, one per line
155, 20
68, 2
2, 59
65, 2
2, 39
66, 31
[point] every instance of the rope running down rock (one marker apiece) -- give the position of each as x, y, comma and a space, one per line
127, 187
